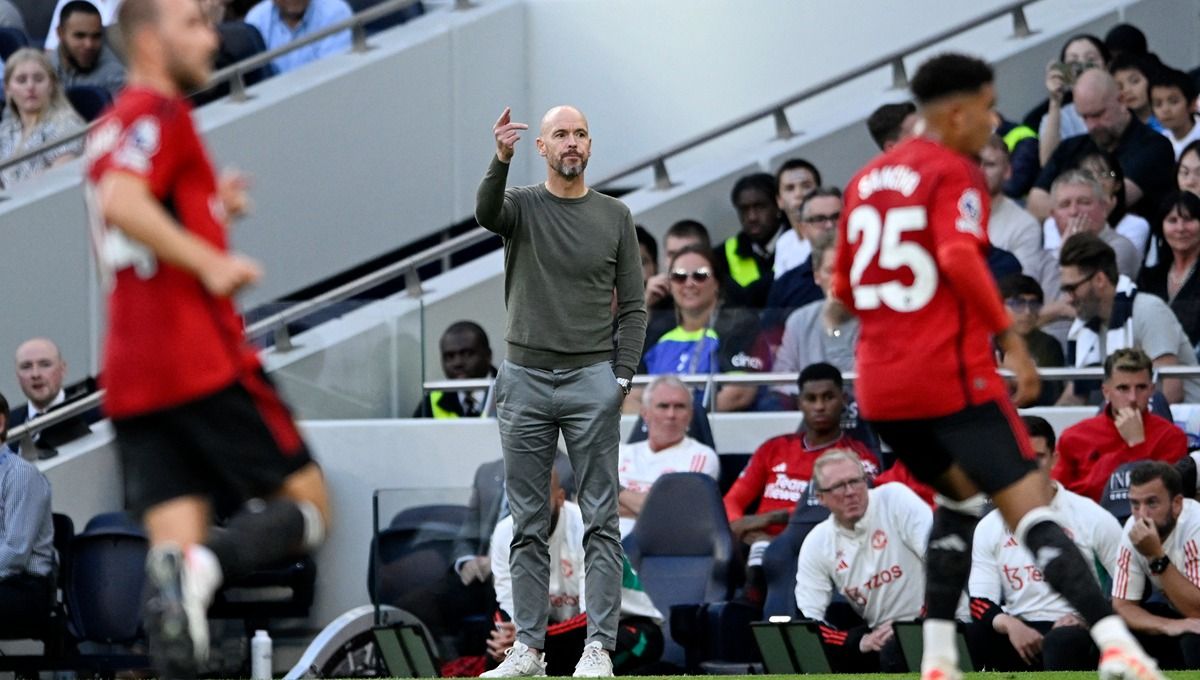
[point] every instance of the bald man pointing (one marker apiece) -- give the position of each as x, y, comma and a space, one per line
566, 248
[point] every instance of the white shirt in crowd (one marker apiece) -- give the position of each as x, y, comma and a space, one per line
638, 467
567, 594
1004, 571
1181, 144
879, 565
791, 251
1182, 546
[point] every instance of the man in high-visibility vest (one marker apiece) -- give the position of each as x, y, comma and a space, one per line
466, 354
746, 259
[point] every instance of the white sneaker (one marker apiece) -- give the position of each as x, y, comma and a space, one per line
1121, 661
519, 662
595, 662
201, 577
939, 669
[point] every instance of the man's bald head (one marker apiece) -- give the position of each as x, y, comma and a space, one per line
40, 370
136, 14
1095, 85
1097, 104
561, 114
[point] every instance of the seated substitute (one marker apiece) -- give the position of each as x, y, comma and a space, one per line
1018, 622
26, 539
667, 411
1123, 432
639, 635
871, 548
1159, 547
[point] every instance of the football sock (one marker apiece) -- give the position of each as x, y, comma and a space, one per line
1061, 564
948, 562
262, 533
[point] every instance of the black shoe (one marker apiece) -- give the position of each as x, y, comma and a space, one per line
171, 646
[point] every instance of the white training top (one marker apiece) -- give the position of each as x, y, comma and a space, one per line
879, 565
1129, 582
1005, 572
638, 467
567, 593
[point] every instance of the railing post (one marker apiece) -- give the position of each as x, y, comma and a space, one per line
358, 38
662, 180
237, 87
412, 283
283, 339
1020, 24
28, 450
783, 130
899, 74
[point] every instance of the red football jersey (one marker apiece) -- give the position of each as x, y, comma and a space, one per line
169, 341
779, 472
925, 344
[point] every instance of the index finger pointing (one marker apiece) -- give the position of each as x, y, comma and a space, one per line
504, 117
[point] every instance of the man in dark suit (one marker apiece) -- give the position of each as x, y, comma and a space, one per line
40, 370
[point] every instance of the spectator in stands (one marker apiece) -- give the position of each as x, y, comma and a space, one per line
41, 371
1144, 155
639, 636
658, 287
1010, 227
1024, 299
795, 179
1057, 118
745, 261
1123, 432
82, 57
1175, 280
1111, 315
891, 124
1081, 206
711, 337
1187, 169
1018, 623
1159, 548
806, 341
27, 560
1173, 96
1021, 143
781, 468
820, 212
10, 16
871, 548
649, 248
1126, 39
283, 21
466, 355
36, 112
1105, 169
1132, 73
108, 17
214, 10
667, 412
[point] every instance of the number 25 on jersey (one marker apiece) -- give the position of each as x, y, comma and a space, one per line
879, 242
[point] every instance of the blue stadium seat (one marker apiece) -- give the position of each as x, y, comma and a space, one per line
699, 429
89, 101
410, 559
779, 562
106, 580
682, 548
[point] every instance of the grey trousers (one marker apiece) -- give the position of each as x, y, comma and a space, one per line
532, 406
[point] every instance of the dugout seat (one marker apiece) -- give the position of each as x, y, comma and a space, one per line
410, 560
682, 548
1115, 497
779, 561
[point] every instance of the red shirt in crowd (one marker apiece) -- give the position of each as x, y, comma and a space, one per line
1091, 450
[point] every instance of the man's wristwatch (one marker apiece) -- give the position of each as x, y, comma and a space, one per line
1159, 565
625, 385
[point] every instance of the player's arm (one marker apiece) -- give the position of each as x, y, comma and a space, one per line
1141, 621
814, 590
631, 305
1183, 594
630, 503
128, 204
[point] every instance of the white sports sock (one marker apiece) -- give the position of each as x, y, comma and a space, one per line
314, 525
203, 571
941, 640
1110, 629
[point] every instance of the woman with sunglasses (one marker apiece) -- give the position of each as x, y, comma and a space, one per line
709, 337
1175, 279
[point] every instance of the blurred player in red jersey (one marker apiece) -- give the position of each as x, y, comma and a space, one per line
197, 424
911, 264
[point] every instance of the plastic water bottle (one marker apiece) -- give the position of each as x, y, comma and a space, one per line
260, 656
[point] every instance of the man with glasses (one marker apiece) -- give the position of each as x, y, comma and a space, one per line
871, 549
819, 214
1111, 315
1123, 432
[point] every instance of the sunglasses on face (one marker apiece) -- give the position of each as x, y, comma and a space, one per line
698, 275
1023, 305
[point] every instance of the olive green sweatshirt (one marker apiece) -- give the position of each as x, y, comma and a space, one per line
562, 259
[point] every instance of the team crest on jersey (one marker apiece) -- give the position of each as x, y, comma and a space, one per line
970, 213
879, 539
140, 143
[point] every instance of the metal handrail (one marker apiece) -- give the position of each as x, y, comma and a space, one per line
234, 74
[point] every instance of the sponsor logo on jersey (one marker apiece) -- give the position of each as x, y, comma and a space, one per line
842, 566
899, 178
970, 213
743, 360
785, 488
879, 539
1011, 542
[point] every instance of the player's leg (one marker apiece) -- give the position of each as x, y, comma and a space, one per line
995, 452
590, 421
948, 555
529, 438
1069, 648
